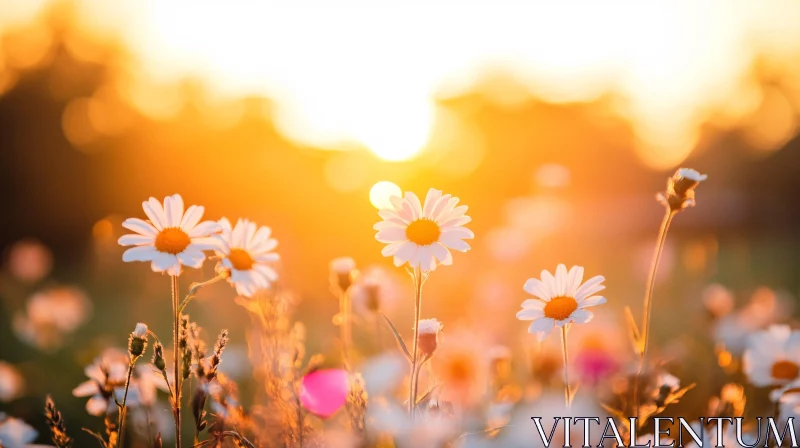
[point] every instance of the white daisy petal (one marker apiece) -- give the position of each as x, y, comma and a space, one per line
264, 246
205, 228
591, 301
454, 243
260, 236
581, 316
441, 253
535, 287
534, 303
406, 251
155, 213
455, 222
97, 405
135, 240
430, 201
267, 272
530, 314
140, 226
173, 209
391, 235
192, 216
574, 281
191, 258
86, 389
163, 262
459, 232
267, 257
416, 206
549, 283
140, 253
561, 279
588, 288
544, 324
391, 249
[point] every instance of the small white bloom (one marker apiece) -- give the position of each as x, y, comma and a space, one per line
247, 251
171, 238
11, 382
107, 375
429, 326
560, 300
51, 315
692, 174
140, 331
342, 265
772, 357
14, 433
666, 380
422, 235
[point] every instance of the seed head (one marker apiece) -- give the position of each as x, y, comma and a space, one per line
137, 343
680, 189
428, 336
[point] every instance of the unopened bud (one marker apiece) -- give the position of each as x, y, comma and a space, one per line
680, 189
343, 270
137, 343
428, 336
158, 357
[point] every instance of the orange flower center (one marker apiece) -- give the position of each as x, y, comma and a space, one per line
240, 259
785, 370
172, 240
423, 232
560, 308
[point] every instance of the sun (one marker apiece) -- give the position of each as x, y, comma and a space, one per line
380, 193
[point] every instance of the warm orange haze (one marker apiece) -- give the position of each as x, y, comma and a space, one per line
395, 224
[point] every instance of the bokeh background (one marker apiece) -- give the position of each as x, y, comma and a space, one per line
555, 122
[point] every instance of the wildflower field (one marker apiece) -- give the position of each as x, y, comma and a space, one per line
279, 225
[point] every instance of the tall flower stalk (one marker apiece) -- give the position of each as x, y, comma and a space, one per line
342, 274
678, 197
421, 236
176, 356
565, 353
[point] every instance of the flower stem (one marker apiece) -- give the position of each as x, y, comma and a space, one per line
412, 390
567, 390
345, 326
648, 304
121, 423
176, 404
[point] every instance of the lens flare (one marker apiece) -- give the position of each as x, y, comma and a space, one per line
380, 193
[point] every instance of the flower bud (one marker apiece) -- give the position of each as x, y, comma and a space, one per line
343, 271
137, 343
428, 336
158, 357
680, 189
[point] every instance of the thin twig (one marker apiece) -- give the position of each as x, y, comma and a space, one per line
567, 391
176, 405
121, 422
412, 396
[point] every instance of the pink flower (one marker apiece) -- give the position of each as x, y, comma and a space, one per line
323, 392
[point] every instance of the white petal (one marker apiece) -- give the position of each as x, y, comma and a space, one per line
140, 226
135, 240
459, 232
193, 259
455, 222
416, 206
426, 259
267, 257
391, 235
263, 246
530, 314
86, 389
390, 224
140, 253
574, 280
250, 232
209, 243
406, 251
205, 228
431, 199
97, 405
173, 209
535, 287
391, 249
591, 301
549, 283
590, 287
534, 303
262, 234
561, 279
267, 272
441, 253
155, 213
544, 324
441, 205
164, 261
192, 216
581, 316
454, 243
393, 216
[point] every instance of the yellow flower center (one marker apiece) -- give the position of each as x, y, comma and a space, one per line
240, 259
560, 308
423, 232
172, 240
785, 370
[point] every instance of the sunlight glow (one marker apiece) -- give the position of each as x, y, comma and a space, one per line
348, 73
380, 193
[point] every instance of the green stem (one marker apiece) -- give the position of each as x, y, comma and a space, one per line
412, 390
121, 422
176, 405
565, 353
648, 304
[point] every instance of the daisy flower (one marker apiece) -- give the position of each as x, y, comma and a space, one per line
421, 235
247, 252
171, 238
773, 356
560, 300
